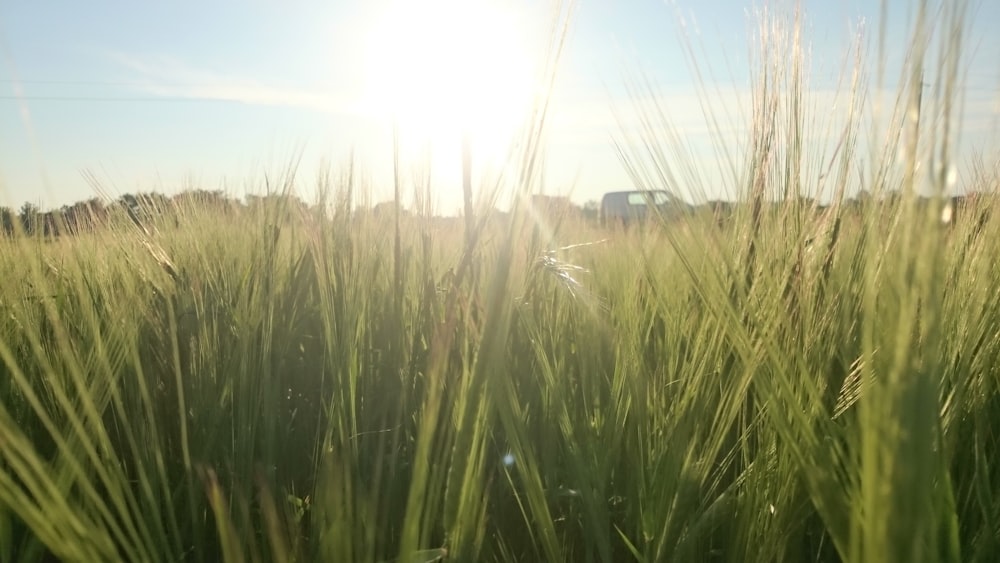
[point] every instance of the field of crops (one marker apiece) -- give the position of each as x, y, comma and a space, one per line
314, 384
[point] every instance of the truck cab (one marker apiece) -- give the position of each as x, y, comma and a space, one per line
628, 207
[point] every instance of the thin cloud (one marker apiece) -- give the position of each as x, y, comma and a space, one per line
726, 114
698, 149
171, 78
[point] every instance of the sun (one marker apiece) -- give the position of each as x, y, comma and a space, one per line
441, 69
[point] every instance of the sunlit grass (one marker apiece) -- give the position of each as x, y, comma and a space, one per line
287, 384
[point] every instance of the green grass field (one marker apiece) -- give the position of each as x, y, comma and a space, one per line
313, 385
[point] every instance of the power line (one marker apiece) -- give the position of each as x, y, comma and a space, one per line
127, 83
108, 99
72, 82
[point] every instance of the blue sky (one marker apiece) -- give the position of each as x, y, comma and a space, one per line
213, 94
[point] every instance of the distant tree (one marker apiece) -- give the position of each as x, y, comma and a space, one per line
87, 215
52, 223
199, 201
285, 206
7, 218
387, 209
29, 217
144, 208
68, 219
214, 199
130, 205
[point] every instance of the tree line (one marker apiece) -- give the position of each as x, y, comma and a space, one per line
148, 208
143, 208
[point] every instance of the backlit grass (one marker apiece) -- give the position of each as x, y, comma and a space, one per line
286, 384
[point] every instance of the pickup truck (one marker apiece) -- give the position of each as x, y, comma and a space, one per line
627, 207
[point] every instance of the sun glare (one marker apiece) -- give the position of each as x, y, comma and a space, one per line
444, 68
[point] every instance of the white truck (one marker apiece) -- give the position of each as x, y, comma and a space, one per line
627, 207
